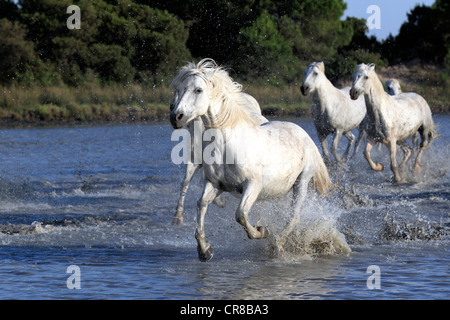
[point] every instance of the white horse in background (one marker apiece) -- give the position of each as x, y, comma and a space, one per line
393, 87
268, 160
333, 110
391, 118
191, 167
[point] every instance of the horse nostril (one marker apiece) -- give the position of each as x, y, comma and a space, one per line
179, 116
303, 89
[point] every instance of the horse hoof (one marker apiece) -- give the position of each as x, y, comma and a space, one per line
263, 231
177, 221
205, 256
379, 167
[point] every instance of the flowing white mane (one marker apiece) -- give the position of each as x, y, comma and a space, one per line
223, 91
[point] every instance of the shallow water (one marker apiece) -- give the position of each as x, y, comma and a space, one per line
102, 199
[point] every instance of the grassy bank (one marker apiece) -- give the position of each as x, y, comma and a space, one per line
86, 103
95, 103
115, 103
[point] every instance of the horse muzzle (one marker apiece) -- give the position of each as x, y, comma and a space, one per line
304, 90
177, 120
354, 94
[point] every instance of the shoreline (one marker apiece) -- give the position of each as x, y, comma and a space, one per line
42, 124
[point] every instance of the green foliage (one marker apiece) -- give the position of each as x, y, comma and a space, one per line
271, 53
426, 34
263, 42
119, 41
17, 56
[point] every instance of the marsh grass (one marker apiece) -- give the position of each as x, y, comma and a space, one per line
93, 102
90, 102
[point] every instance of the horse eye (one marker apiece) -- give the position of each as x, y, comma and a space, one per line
198, 90
366, 77
315, 73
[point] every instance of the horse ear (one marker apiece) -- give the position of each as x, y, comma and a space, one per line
321, 66
209, 74
371, 66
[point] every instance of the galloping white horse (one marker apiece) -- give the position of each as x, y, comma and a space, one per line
393, 87
192, 167
391, 118
333, 110
251, 160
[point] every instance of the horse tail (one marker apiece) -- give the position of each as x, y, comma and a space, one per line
432, 134
321, 179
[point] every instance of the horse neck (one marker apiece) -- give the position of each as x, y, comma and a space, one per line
376, 97
227, 115
377, 110
325, 93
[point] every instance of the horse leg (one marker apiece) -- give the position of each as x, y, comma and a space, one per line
191, 168
407, 150
351, 140
249, 196
324, 143
393, 151
374, 165
415, 141
204, 248
219, 201
424, 144
336, 139
362, 134
301, 189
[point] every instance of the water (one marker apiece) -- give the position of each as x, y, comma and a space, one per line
102, 199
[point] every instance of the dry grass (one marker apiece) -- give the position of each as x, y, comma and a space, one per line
93, 102
87, 103
428, 80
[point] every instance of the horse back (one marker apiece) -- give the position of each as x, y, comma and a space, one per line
413, 108
412, 103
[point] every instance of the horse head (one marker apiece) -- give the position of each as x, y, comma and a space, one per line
206, 90
191, 92
361, 76
313, 74
393, 87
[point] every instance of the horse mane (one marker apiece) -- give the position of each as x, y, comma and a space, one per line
223, 90
319, 65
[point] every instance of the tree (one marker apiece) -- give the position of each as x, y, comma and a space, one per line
120, 41
263, 52
360, 49
9, 10
17, 55
426, 33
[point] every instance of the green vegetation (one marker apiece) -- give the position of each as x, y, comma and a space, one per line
118, 66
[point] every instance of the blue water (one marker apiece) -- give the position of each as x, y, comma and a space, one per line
102, 198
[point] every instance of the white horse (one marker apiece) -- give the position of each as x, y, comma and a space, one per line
191, 167
391, 118
393, 87
251, 160
333, 110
